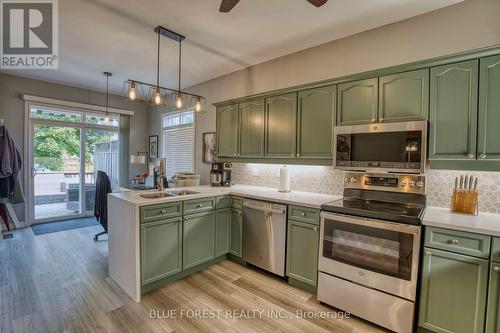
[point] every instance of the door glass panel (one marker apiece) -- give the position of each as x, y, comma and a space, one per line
379, 250
101, 154
56, 169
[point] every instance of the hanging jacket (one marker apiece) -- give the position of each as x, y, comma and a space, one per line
10, 158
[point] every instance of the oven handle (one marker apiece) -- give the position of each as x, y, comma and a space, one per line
386, 225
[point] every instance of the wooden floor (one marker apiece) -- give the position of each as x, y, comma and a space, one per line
59, 283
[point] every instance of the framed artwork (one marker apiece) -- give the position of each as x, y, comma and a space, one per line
209, 147
153, 146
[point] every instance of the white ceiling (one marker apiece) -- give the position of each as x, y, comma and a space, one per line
117, 35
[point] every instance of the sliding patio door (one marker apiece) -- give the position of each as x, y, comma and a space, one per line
66, 150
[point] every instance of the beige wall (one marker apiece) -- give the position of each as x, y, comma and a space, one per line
469, 25
12, 110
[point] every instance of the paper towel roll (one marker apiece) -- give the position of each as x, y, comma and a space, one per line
284, 180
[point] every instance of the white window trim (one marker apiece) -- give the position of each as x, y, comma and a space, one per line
73, 105
194, 132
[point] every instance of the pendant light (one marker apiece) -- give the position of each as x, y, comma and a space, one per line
106, 112
178, 99
157, 91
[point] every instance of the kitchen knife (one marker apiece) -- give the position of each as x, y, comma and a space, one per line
466, 182
475, 184
456, 183
471, 182
461, 181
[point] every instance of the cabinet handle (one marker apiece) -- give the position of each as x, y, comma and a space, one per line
482, 156
381, 120
428, 253
496, 268
374, 120
200, 205
470, 156
163, 211
302, 214
298, 155
186, 218
315, 228
454, 241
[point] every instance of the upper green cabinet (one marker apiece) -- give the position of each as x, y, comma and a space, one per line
227, 130
357, 102
161, 249
281, 125
488, 145
453, 111
315, 122
404, 96
252, 128
453, 292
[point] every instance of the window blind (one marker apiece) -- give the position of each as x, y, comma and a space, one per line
178, 149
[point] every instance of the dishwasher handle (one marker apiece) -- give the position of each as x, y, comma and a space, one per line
264, 209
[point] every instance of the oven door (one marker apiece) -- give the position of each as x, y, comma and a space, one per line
378, 254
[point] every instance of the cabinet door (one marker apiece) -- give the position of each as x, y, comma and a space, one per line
493, 308
453, 111
252, 128
404, 96
302, 252
199, 239
315, 122
489, 109
357, 102
281, 123
236, 228
161, 249
227, 131
222, 221
453, 294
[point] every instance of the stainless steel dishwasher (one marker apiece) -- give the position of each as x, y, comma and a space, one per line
264, 235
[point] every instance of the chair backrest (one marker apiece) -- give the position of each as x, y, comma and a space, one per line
102, 188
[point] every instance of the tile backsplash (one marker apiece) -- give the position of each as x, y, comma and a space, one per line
323, 179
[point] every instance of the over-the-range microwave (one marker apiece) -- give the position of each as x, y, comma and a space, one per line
382, 147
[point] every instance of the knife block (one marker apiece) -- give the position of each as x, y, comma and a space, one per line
464, 201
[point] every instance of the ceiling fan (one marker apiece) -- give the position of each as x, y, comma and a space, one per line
227, 5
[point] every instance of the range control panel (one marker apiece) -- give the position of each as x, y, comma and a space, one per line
388, 182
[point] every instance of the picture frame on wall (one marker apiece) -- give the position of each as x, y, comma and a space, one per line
153, 146
209, 147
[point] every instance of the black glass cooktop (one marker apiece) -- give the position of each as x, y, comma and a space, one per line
382, 210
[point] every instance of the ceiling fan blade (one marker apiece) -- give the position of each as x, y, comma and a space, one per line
317, 3
227, 5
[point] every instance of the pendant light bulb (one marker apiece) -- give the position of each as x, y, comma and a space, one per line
158, 96
106, 117
132, 94
178, 101
197, 105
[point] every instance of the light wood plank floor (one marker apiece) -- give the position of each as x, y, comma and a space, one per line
59, 283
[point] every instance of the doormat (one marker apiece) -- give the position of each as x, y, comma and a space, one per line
7, 236
48, 228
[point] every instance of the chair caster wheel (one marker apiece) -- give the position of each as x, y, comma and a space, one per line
95, 238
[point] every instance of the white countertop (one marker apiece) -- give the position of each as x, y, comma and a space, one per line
313, 200
483, 223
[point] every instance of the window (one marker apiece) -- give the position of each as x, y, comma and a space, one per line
178, 142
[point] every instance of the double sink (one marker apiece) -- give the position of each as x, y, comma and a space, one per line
166, 194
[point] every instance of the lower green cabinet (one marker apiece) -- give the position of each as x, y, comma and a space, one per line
302, 252
198, 243
236, 230
493, 312
453, 292
161, 249
222, 229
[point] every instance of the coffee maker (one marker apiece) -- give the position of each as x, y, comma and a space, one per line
220, 175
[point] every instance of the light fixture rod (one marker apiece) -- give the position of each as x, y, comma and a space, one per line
180, 63
107, 74
158, 61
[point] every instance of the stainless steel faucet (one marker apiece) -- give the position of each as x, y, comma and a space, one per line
161, 176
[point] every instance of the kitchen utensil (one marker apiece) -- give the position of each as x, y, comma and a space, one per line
475, 184
456, 183
466, 182
461, 182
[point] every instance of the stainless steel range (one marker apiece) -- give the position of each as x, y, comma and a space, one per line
369, 248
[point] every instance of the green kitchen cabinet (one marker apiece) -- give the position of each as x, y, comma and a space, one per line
236, 232
453, 292
316, 108
198, 243
453, 111
357, 102
161, 249
488, 141
222, 231
404, 96
227, 131
493, 308
281, 126
252, 128
302, 252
